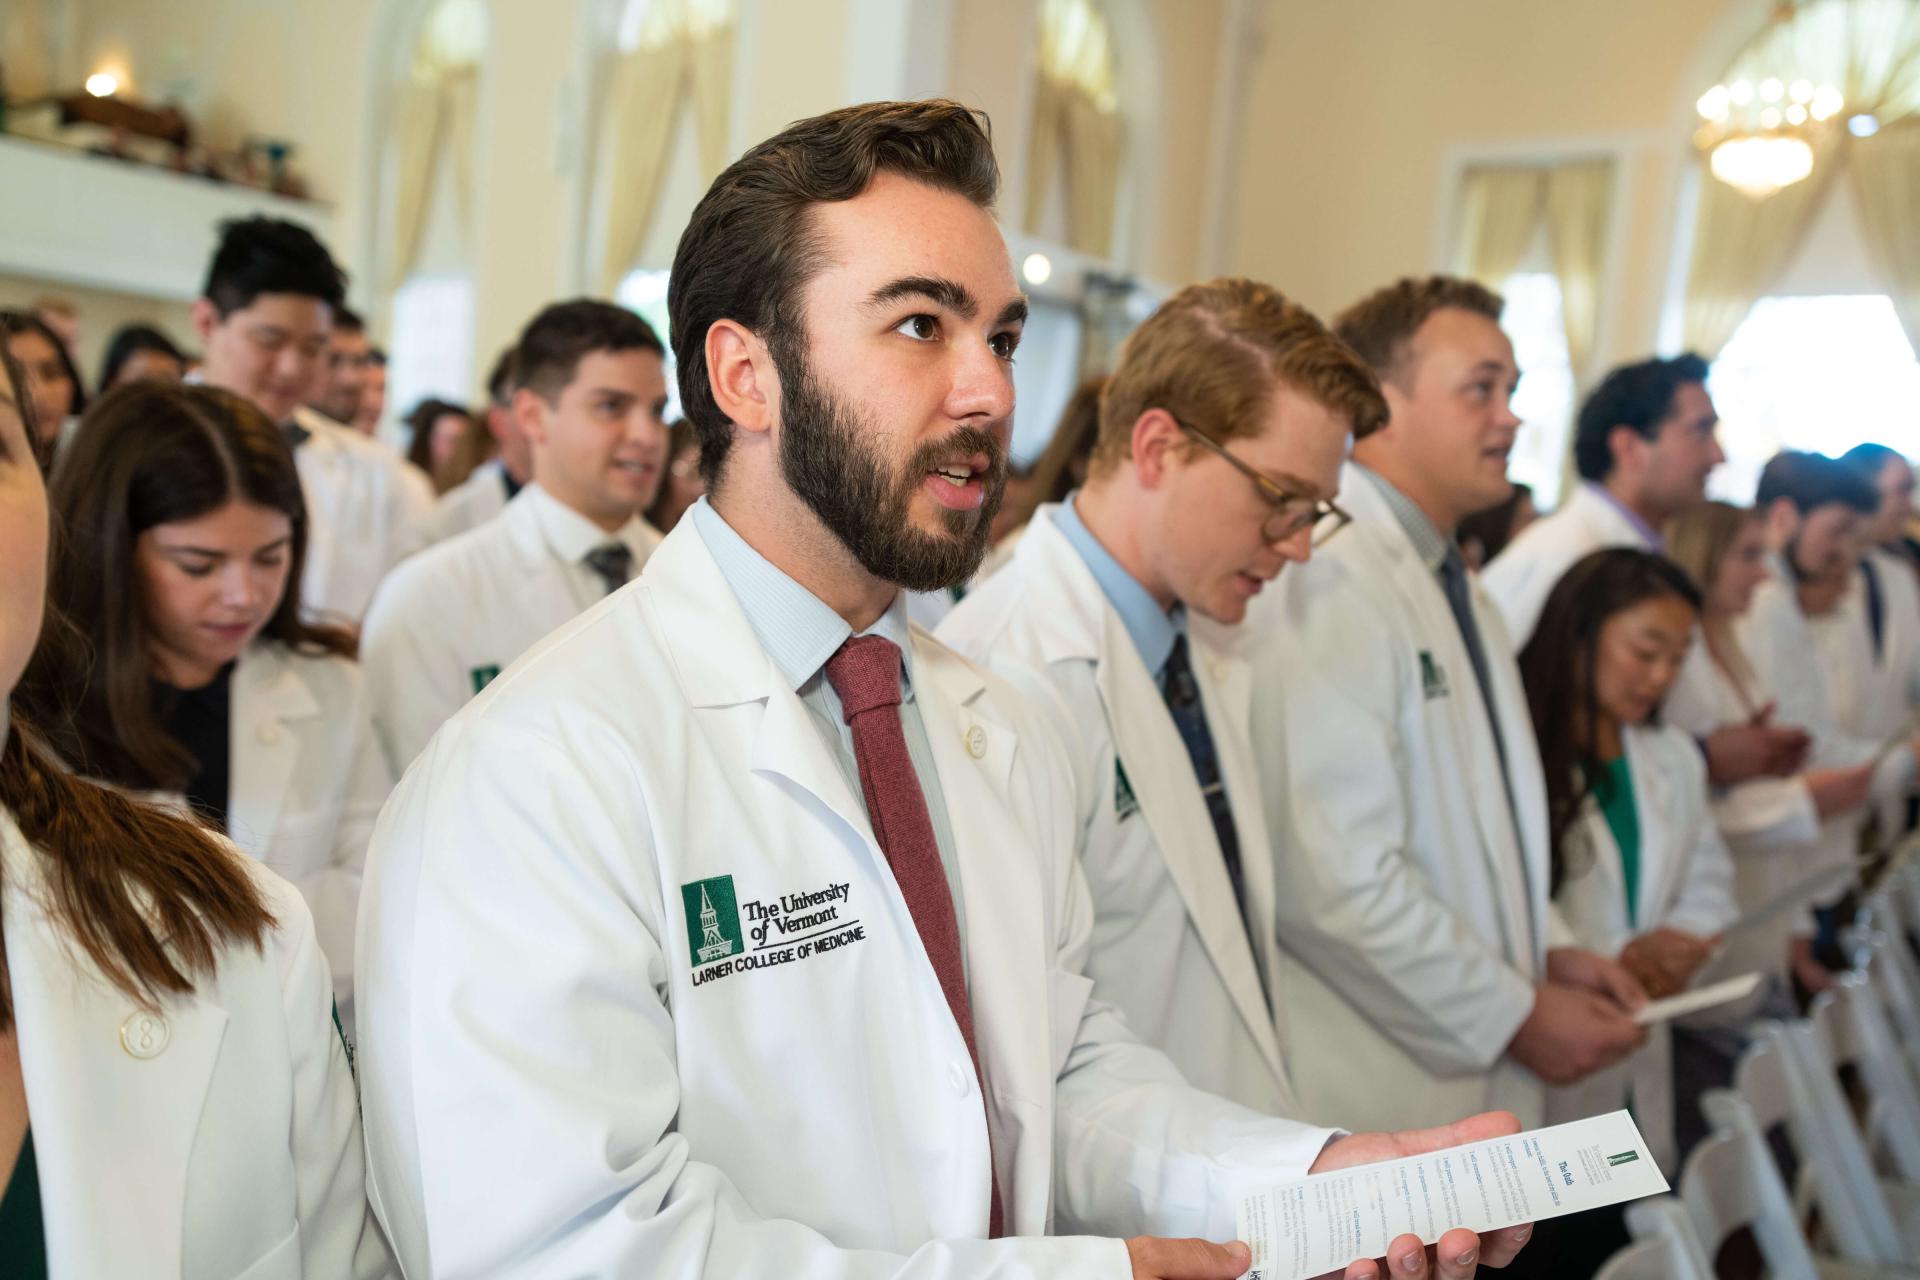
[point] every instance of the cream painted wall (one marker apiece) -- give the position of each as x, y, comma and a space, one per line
1358, 109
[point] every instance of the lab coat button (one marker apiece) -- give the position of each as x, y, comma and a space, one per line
977, 742
144, 1035
269, 734
960, 1076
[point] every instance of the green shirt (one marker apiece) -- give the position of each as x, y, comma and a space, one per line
1613, 791
23, 1237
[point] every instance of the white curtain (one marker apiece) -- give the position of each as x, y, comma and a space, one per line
1076, 124
1499, 214
433, 124
1886, 184
1579, 203
685, 51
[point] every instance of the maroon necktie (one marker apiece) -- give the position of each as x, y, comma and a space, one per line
865, 672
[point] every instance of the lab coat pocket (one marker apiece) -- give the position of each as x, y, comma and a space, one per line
1067, 994
282, 1262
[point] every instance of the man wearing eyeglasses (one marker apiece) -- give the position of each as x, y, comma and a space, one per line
1220, 440
1399, 769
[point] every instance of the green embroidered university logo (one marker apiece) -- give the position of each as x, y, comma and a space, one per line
483, 676
1124, 804
1433, 680
1625, 1157
713, 920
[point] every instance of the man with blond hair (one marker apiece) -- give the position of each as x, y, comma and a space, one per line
1220, 439
1398, 764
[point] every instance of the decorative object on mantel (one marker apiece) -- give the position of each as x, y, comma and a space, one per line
105, 121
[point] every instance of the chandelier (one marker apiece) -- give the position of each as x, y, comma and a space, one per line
1758, 131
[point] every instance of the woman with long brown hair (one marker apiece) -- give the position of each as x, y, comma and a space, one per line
198, 676
174, 1099
1638, 869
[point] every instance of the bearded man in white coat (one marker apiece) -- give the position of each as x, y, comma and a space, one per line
1422, 971
1644, 445
1121, 605
736, 930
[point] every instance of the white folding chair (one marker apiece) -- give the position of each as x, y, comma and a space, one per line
1784, 1081
1664, 1245
1730, 1182
1851, 1027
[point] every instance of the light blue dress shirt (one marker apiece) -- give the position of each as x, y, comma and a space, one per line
800, 631
1151, 628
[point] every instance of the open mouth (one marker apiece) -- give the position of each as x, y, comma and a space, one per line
958, 483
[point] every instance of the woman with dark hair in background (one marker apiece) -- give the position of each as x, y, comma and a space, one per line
53, 383
683, 484
1057, 472
174, 1100
442, 443
184, 535
1638, 867
139, 352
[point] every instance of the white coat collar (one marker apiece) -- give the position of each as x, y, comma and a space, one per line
542, 530
1079, 624
269, 696
109, 1128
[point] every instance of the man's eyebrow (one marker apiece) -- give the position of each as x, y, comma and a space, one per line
951, 294
1014, 312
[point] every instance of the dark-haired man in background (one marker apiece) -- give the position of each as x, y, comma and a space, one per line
264, 319
589, 387
736, 930
1644, 446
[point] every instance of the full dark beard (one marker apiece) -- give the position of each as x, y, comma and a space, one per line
827, 456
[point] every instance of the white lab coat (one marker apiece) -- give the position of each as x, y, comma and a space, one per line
1686, 883
555, 1084
233, 1149
1521, 577
1799, 659
451, 618
1412, 916
468, 505
1169, 947
1770, 825
1878, 693
306, 782
359, 497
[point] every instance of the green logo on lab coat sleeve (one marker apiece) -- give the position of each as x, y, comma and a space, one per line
713, 920
483, 676
1433, 678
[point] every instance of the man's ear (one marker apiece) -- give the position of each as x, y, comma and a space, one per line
741, 376
1156, 444
530, 415
206, 318
1624, 446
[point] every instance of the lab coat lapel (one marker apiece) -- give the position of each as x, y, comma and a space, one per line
110, 1127
1149, 747
976, 751
1462, 709
268, 694
1661, 863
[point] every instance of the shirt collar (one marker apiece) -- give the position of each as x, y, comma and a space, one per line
1648, 534
1151, 628
798, 629
1428, 544
570, 535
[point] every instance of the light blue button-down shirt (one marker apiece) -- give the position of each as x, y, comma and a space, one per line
800, 631
1151, 628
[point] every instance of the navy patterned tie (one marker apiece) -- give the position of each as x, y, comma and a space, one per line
1182, 693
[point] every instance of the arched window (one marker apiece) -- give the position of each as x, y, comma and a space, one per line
1077, 136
